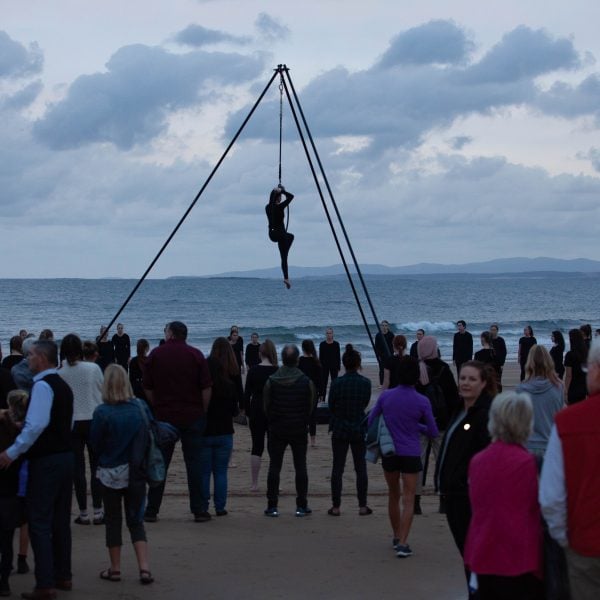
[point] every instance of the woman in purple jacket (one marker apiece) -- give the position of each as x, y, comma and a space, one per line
407, 414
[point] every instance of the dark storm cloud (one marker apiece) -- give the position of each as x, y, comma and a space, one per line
198, 36
129, 103
18, 61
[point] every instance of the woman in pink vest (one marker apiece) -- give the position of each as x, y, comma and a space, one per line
504, 541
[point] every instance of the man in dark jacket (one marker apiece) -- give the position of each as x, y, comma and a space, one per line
289, 398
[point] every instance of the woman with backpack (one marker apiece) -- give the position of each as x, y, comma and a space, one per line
437, 383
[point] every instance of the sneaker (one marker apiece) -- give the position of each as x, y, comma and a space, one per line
4, 587
403, 550
271, 512
22, 566
303, 511
82, 520
202, 517
221, 513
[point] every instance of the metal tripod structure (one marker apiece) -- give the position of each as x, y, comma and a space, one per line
286, 83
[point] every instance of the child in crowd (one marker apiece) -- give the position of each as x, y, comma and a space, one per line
11, 421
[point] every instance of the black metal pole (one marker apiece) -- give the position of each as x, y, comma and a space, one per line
331, 224
337, 212
191, 206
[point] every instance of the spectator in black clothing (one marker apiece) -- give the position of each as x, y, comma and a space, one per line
106, 350
349, 396
586, 330
46, 334
237, 345
252, 356
16, 353
277, 229
413, 347
557, 352
575, 360
390, 371
121, 347
525, 344
383, 346
487, 355
462, 347
289, 397
253, 405
499, 346
136, 368
330, 359
309, 364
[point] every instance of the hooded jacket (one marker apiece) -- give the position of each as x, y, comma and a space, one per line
547, 400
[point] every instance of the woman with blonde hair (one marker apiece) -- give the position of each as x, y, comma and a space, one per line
115, 425
503, 545
546, 392
253, 405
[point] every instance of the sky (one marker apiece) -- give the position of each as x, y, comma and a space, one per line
449, 132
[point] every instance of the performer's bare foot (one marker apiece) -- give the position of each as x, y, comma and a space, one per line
287, 283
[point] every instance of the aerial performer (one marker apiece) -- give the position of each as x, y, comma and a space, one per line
277, 230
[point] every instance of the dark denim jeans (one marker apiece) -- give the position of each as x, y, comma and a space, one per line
276, 446
191, 444
340, 447
49, 493
216, 452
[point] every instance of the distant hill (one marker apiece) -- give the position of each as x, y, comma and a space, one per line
490, 267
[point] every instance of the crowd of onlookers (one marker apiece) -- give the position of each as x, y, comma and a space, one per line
91, 400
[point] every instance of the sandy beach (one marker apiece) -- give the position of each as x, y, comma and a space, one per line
246, 555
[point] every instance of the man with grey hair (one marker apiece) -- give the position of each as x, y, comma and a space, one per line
289, 398
570, 485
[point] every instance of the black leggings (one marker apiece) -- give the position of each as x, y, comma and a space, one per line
284, 243
258, 431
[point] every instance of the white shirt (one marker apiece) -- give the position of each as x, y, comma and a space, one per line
85, 379
553, 491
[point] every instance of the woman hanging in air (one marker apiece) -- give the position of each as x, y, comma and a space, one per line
277, 231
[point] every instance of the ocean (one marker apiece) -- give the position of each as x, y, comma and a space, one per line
209, 306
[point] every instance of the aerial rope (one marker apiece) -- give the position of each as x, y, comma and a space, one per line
277, 193
278, 232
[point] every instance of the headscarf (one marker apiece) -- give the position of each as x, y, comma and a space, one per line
427, 349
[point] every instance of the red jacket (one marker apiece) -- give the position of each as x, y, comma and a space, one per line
578, 427
505, 535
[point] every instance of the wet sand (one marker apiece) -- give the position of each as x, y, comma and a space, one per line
246, 555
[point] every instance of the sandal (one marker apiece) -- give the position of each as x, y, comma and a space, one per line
145, 577
365, 510
110, 575
334, 511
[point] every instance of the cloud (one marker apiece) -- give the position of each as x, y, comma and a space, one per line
271, 29
438, 41
594, 156
460, 141
18, 61
570, 101
23, 97
396, 107
524, 53
198, 36
129, 104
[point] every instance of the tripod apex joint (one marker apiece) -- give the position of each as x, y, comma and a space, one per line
281, 68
